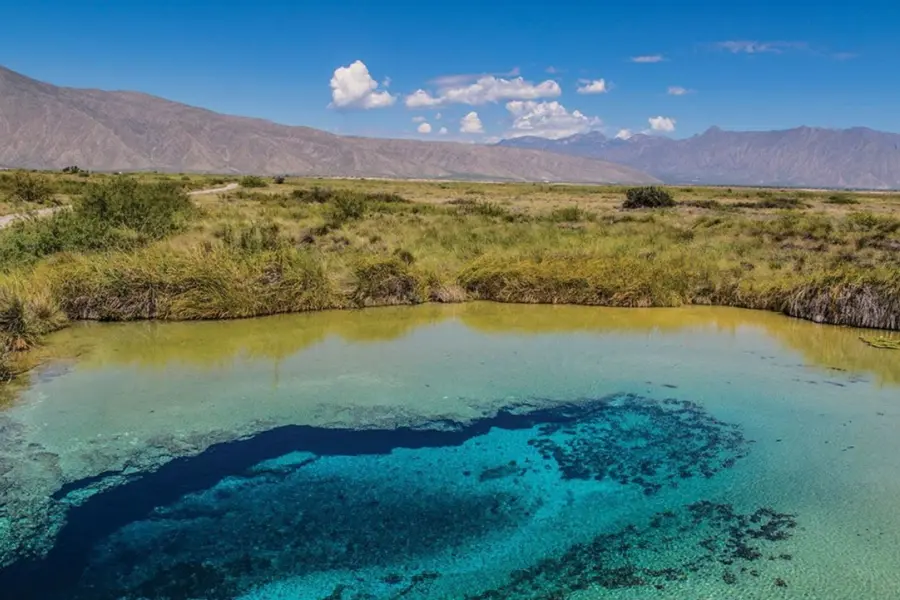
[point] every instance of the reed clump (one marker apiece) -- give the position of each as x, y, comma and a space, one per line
216, 283
133, 248
382, 281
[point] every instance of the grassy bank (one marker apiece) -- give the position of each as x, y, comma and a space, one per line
138, 248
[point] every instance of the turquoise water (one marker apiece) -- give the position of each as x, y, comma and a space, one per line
461, 452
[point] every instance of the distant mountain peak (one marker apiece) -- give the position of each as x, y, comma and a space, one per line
804, 156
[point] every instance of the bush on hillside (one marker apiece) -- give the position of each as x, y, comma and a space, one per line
647, 197
279, 179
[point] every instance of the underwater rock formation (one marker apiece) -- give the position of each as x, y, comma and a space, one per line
708, 536
637, 441
297, 501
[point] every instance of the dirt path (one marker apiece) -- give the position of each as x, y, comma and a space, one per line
7, 220
227, 188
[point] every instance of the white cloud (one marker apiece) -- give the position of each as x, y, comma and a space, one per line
386, 82
353, 87
471, 123
648, 58
754, 47
552, 70
424, 128
419, 119
486, 89
665, 124
443, 131
624, 134
447, 81
597, 86
676, 90
422, 99
437, 117
547, 119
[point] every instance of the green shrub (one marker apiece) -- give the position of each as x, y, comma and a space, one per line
315, 195
278, 179
466, 206
770, 201
647, 197
28, 240
569, 214
253, 181
386, 197
30, 188
155, 210
346, 206
841, 199
117, 215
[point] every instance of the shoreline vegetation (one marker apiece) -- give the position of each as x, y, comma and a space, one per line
137, 247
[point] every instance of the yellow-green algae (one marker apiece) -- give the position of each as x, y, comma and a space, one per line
213, 343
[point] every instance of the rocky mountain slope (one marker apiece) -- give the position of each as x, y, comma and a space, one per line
45, 126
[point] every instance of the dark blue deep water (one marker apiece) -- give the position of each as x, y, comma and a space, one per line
311, 508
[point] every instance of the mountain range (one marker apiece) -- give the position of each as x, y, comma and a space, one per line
46, 126
802, 157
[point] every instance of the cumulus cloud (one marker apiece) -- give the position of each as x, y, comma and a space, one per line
547, 119
664, 124
424, 128
422, 99
443, 131
624, 134
597, 86
471, 123
353, 87
648, 58
485, 90
754, 47
438, 116
677, 90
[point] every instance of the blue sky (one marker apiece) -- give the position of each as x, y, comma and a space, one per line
742, 65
